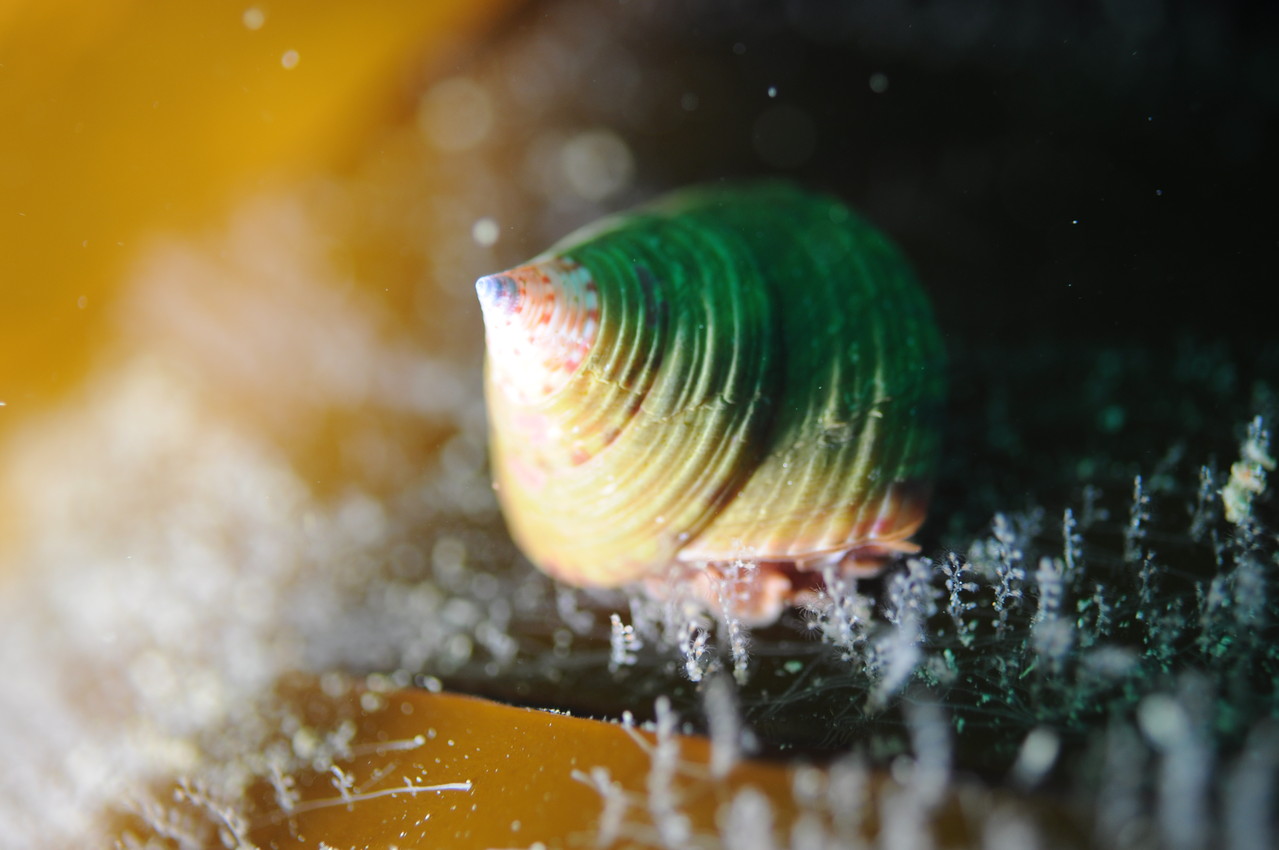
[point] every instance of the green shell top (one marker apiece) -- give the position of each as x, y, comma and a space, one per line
747, 371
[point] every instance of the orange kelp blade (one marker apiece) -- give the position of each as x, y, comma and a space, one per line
411, 768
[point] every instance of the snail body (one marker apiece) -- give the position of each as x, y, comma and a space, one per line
746, 371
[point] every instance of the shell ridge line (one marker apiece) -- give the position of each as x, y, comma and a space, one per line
759, 397
863, 465
729, 250
786, 434
901, 452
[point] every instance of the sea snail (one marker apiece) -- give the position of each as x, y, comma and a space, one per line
741, 371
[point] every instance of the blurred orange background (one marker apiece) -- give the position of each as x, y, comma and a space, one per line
127, 118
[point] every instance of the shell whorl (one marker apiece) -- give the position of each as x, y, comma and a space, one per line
748, 370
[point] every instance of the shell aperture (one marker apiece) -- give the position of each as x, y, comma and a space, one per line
743, 371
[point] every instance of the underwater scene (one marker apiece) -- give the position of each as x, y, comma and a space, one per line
639, 424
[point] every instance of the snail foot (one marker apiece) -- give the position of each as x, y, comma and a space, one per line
756, 592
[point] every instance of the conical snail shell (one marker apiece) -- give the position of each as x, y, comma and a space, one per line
742, 371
